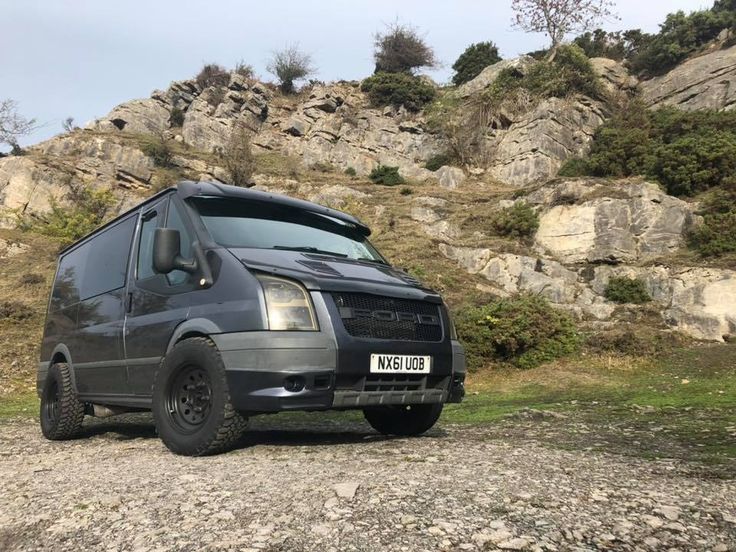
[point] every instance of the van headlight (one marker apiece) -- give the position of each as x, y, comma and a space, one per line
288, 305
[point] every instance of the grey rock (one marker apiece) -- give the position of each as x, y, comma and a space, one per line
449, 177
347, 489
614, 76
534, 148
627, 222
490, 74
703, 82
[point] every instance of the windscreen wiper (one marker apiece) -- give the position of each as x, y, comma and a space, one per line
308, 249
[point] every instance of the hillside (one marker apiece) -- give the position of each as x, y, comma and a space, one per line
493, 220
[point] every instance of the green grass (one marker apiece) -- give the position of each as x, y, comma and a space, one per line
20, 405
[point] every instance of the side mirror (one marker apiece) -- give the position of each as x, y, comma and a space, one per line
167, 252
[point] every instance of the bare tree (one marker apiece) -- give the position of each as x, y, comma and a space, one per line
12, 124
290, 65
558, 18
400, 49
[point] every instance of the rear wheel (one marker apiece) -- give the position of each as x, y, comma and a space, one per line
62, 412
191, 401
404, 420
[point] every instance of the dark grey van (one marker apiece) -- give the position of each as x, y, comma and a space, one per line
208, 304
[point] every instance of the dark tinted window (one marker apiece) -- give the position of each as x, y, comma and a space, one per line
69, 279
175, 220
96, 267
107, 259
145, 245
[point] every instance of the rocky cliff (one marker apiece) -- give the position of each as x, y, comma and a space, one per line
589, 230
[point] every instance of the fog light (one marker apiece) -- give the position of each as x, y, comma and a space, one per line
294, 384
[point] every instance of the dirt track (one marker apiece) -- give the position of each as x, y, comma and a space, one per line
342, 487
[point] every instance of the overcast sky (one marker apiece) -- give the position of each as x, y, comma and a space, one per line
80, 58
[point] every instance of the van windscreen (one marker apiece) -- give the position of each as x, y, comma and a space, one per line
235, 223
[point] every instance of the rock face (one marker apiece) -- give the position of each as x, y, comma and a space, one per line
586, 221
614, 76
704, 82
534, 147
486, 77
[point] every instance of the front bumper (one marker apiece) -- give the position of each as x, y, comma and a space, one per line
282, 371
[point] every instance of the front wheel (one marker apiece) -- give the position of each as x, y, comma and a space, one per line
191, 401
405, 420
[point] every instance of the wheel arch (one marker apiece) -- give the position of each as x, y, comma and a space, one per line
196, 327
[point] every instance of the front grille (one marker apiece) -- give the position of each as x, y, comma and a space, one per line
378, 317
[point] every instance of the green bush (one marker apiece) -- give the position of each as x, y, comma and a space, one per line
350, 171
518, 221
524, 331
398, 89
87, 210
613, 45
680, 36
176, 117
627, 290
406, 191
569, 73
473, 60
158, 150
388, 176
717, 233
687, 152
436, 162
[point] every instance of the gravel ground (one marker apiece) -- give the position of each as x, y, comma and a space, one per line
337, 486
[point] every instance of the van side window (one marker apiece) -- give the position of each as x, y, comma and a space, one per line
145, 246
175, 220
68, 280
107, 259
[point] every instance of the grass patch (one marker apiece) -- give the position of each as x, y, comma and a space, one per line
21, 405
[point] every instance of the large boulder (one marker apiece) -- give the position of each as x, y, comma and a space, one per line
147, 116
27, 187
703, 82
489, 75
591, 221
534, 147
614, 76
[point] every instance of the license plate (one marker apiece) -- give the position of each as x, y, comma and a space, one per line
400, 364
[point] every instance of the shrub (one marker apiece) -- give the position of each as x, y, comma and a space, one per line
627, 290
244, 69
436, 162
614, 45
388, 176
176, 117
238, 159
406, 191
523, 330
350, 171
518, 221
159, 150
473, 60
687, 152
31, 279
398, 89
680, 36
290, 65
323, 167
400, 49
717, 233
15, 310
212, 74
87, 210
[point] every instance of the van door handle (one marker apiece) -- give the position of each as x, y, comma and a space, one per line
129, 303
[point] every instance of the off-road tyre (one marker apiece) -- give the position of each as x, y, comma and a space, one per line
61, 413
404, 420
191, 401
